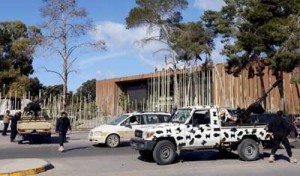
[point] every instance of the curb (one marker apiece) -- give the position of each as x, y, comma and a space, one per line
33, 171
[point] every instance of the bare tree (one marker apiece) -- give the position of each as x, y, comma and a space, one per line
64, 25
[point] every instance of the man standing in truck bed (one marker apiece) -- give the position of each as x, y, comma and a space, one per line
62, 126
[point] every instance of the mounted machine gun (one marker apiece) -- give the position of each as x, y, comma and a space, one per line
244, 114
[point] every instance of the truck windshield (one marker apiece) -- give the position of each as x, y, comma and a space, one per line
181, 115
118, 119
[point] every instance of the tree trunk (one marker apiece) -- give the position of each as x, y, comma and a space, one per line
281, 91
263, 89
65, 87
65, 64
176, 91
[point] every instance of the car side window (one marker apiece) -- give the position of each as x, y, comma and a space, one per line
152, 119
133, 120
163, 118
201, 118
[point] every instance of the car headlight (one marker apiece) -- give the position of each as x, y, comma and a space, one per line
97, 133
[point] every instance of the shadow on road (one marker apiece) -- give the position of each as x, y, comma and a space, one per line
41, 141
123, 144
209, 155
266, 155
76, 148
206, 156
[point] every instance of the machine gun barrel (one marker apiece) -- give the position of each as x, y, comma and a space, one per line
256, 107
260, 99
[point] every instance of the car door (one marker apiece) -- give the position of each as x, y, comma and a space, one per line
201, 130
128, 127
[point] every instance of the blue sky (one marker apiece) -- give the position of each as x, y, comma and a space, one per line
124, 55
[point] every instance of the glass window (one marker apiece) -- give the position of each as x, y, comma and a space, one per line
118, 119
133, 120
163, 118
201, 117
181, 115
152, 119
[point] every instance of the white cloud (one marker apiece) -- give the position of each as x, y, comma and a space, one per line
151, 62
95, 59
100, 74
215, 5
127, 42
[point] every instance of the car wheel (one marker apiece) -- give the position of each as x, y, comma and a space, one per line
248, 150
146, 155
164, 152
112, 141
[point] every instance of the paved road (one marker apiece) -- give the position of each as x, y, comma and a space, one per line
82, 158
77, 146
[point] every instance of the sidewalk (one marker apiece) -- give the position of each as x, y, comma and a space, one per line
29, 166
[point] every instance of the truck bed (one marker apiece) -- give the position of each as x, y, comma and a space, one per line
34, 125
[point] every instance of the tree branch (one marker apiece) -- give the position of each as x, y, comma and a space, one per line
70, 65
51, 71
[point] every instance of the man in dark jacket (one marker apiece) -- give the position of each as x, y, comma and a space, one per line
62, 126
13, 126
280, 129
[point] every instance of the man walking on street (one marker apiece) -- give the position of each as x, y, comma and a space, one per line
280, 129
62, 126
5, 122
13, 126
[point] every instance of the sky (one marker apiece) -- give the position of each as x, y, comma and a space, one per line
124, 56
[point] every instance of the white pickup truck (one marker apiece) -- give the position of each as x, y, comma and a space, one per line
198, 127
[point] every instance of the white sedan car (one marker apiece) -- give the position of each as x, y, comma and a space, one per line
122, 128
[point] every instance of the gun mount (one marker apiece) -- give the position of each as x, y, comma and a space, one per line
33, 108
244, 114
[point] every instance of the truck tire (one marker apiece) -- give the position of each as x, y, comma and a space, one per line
112, 141
146, 155
164, 152
248, 150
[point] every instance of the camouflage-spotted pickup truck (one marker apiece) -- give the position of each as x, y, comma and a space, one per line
196, 128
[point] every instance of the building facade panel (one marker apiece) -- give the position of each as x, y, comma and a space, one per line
200, 86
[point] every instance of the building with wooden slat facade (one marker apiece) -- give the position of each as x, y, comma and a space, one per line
197, 86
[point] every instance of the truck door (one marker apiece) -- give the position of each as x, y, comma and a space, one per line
203, 129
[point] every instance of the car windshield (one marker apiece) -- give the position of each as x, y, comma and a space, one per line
118, 119
181, 115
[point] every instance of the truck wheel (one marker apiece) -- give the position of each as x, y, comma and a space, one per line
112, 141
248, 150
164, 152
146, 155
